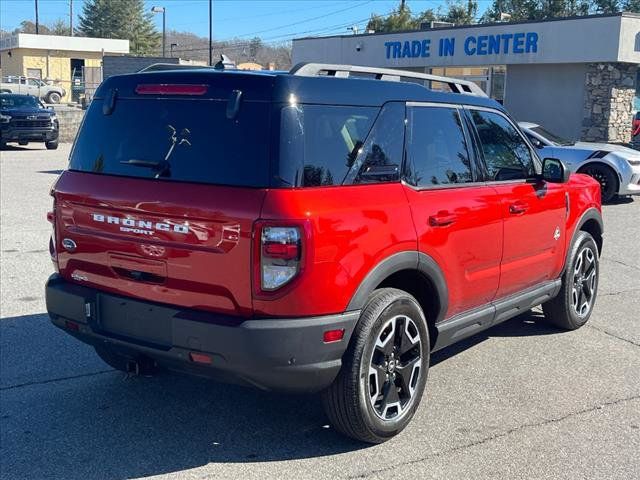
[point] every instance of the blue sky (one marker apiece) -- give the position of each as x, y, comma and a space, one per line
273, 20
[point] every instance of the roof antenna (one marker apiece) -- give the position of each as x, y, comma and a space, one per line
225, 63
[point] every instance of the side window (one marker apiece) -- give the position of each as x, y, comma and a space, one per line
437, 149
319, 144
333, 136
379, 159
506, 154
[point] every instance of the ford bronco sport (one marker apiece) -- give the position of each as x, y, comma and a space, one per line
311, 232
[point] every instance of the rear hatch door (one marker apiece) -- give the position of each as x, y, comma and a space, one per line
165, 180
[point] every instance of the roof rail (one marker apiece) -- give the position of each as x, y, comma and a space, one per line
157, 67
344, 71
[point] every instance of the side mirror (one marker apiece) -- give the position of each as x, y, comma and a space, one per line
554, 171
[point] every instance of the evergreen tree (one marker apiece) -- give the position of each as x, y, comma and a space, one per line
608, 6
541, 9
631, 6
124, 19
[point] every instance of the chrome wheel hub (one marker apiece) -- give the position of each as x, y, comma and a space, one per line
395, 367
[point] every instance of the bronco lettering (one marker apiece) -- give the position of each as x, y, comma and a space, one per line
140, 226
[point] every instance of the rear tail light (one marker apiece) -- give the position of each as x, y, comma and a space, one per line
51, 218
280, 254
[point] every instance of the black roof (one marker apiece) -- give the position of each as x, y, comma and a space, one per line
279, 87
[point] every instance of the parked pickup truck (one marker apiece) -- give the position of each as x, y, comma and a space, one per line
32, 86
25, 119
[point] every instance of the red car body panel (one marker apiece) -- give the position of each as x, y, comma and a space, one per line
485, 252
534, 216
208, 268
468, 249
354, 228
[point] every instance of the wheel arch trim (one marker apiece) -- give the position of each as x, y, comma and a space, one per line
591, 213
407, 260
603, 162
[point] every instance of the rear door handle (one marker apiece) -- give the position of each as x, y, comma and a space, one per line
442, 219
518, 208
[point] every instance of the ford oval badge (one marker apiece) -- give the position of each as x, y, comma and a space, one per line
69, 245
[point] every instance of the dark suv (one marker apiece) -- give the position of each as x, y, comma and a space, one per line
311, 231
24, 119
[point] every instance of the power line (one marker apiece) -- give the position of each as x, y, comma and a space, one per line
308, 19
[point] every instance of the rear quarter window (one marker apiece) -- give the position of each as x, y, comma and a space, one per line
320, 143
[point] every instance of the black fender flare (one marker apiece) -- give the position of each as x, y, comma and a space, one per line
591, 213
408, 260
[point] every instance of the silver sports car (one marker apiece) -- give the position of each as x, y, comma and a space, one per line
617, 168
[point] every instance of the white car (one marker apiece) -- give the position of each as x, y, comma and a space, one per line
616, 168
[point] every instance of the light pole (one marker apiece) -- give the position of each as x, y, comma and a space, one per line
37, 20
164, 26
210, 33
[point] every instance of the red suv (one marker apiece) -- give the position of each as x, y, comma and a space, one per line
307, 231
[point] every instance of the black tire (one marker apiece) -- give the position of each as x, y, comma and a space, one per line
607, 179
573, 305
53, 97
360, 403
52, 145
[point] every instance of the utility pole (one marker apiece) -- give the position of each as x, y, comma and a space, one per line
37, 22
71, 18
210, 33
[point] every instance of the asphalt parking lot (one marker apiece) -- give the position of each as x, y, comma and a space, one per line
520, 401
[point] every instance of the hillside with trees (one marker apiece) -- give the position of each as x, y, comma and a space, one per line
466, 12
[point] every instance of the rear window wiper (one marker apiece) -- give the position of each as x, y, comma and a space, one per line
163, 168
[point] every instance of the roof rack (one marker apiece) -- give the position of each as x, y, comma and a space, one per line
344, 71
158, 67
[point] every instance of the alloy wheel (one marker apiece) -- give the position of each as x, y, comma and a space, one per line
584, 282
395, 367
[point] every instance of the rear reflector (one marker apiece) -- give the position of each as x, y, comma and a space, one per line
200, 358
170, 89
287, 251
333, 335
71, 326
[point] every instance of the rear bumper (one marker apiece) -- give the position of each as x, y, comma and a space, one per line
273, 354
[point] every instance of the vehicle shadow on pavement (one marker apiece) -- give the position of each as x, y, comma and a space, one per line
67, 415
18, 148
530, 323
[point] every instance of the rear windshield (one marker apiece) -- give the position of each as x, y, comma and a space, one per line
176, 140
